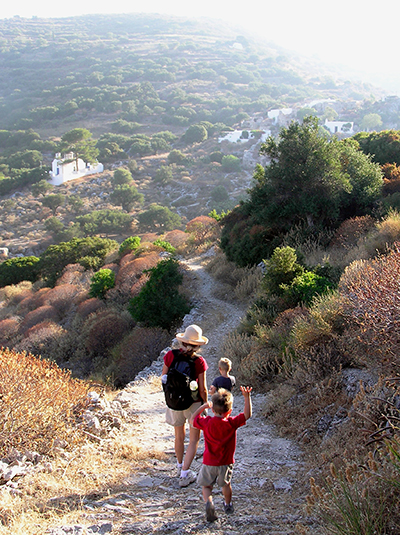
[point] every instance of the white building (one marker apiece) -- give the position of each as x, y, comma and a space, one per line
339, 127
68, 168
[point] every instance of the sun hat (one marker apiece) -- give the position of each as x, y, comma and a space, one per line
193, 335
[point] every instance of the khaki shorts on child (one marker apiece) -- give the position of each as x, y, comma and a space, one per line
208, 475
178, 418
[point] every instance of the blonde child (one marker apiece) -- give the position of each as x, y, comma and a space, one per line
224, 380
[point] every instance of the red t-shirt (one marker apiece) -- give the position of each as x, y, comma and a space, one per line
200, 365
219, 437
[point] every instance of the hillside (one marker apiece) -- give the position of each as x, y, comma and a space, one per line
139, 84
86, 69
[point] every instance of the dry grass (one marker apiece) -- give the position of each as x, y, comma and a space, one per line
57, 497
37, 402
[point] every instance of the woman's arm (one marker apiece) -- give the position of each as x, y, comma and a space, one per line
203, 387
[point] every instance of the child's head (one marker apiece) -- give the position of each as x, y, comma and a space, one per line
222, 401
225, 364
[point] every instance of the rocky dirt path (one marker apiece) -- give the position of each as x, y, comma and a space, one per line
269, 484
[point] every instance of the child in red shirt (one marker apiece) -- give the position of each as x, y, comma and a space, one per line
220, 444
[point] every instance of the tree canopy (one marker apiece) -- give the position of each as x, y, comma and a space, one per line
159, 217
80, 142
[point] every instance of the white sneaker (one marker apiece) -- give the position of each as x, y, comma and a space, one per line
190, 478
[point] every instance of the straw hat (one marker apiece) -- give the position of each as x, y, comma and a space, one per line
193, 335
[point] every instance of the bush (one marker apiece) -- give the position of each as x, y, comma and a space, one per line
128, 245
89, 306
158, 218
43, 339
159, 303
101, 282
305, 287
126, 196
177, 238
104, 221
122, 177
230, 163
165, 245
203, 229
132, 271
103, 330
351, 231
8, 328
325, 318
195, 134
373, 301
137, 350
386, 233
90, 252
45, 312
280, 270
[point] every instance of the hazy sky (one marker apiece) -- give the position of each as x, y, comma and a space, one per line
359, 34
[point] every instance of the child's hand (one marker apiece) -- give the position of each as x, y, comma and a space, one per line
246, 390
212, 390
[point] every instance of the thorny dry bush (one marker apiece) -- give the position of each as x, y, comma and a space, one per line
372, 293
360, 496
37, 401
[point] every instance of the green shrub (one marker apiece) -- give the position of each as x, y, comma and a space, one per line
15, 270
104, 221
130, 244
122, 177
280, 270
159, 303
305, 287
165, 245
90, 252
230, 163
101, 281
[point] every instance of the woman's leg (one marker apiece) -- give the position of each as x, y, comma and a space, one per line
179, 442
194, 437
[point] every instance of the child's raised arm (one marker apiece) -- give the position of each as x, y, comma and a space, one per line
246, 390
201, 409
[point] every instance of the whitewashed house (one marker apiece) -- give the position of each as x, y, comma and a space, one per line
339, 127
65, 168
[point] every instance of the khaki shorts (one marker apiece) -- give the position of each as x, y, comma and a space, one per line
178, 418
208, 475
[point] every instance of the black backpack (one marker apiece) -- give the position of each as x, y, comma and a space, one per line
178, 395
